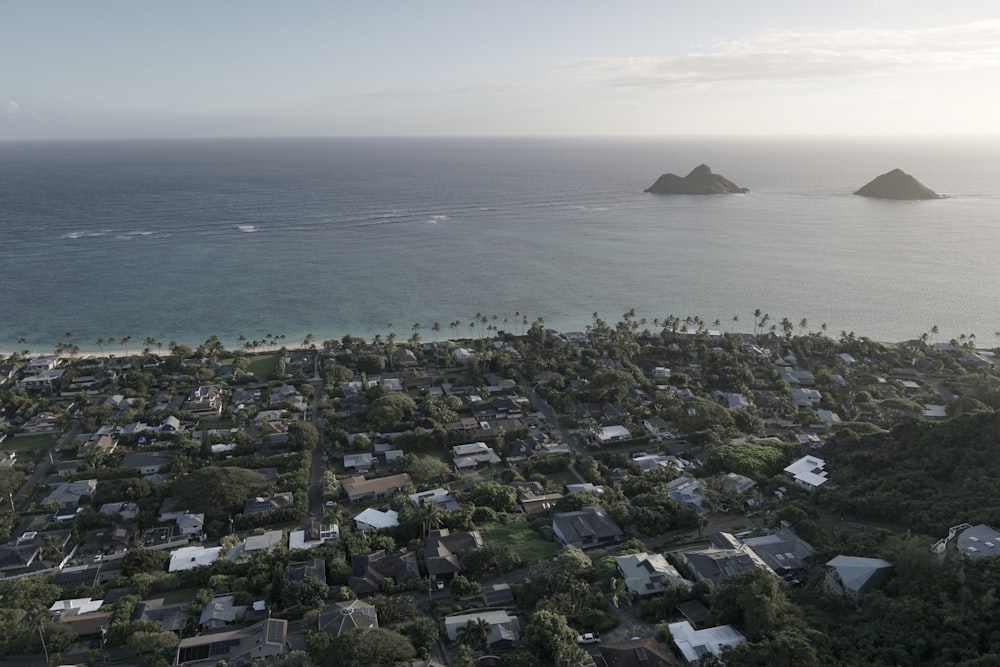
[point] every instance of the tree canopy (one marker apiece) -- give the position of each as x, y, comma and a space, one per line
217, 491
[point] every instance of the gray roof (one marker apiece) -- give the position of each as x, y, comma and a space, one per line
782, 550
587, 525
856, 575
979, 541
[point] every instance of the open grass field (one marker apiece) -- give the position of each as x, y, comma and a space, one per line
30, 443
531, 546
563, 477
263, 366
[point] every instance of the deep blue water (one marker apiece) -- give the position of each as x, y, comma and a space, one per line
183, 239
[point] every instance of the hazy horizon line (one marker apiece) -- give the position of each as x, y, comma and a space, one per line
637, 137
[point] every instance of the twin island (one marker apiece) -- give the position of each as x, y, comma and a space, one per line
895, 184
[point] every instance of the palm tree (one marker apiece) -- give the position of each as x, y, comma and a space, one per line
736, 318
803, 323
100, 344
124, 342
475, 632
431, 516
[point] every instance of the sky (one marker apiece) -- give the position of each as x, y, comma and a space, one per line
225, 68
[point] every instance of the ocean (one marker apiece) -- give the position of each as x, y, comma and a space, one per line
180, 240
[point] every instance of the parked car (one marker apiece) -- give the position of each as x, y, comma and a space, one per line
588, 638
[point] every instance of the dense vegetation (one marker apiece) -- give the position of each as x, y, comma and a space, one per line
924, 476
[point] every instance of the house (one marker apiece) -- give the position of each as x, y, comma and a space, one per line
146, 463
188, 558
368, 571
439, 497
473, 455
263, 543
693, 644
25, 554
731, 400
808, 472
635, 652
278, 501
690, 492
532, 504
360, 462
170, 425
784, 552
169, 617
358, 488
220, 612
346, 616
796, 377
312, 536
314, 568
74, 607
609, 434
70, 493
657, 428
498, 595
373, 519
854, 576
737, 483
586, 487
505, 629
648, 574
443, 549
244, 646
847, 359
806, 398
978, 541
649, 462
127, 510
41, 363
7, 459
588, 527
725, 557
935, 412
828, 417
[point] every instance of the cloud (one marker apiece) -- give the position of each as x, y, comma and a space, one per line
776, 57
12, 107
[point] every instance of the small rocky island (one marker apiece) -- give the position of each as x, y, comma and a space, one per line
701, 181
897, 184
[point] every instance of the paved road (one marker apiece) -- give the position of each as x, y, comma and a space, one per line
553, 419
42, 469
319, 455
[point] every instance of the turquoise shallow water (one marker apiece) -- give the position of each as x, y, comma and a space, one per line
180, 240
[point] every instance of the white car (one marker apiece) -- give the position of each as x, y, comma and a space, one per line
588, 638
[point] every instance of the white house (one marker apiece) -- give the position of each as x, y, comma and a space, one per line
612, 434
188, 558
806, 398
808, 472
373, 519
695, 643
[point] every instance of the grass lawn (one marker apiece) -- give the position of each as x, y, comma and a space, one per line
28, 443
531, 546
564, 477
181, 595
263, 366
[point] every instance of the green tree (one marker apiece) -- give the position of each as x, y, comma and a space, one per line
499, 497
551, 639
365, 646
474, 633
